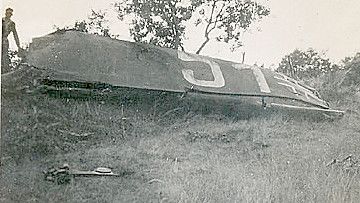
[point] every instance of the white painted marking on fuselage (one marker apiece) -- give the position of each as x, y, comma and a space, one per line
259, 76
293, 84
289, 85
188, 74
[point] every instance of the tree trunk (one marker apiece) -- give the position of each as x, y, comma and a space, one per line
207, 31
203, 45
175, 27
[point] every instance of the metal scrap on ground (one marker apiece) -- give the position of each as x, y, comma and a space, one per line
83, 58
63, 174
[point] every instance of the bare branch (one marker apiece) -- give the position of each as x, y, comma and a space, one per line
211, 17
208, 30
217, 18
206, 34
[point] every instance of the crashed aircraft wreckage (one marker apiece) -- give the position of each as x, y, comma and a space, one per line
85, 58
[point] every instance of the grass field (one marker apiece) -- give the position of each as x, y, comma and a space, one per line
175, 156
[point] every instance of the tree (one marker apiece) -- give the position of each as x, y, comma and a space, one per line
158, 22
230, 18
98, 23
352, 65
161, 22
305, 64
95, 24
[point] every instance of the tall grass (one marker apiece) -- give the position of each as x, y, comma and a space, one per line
166, 154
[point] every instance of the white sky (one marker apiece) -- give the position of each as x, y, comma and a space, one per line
329, 26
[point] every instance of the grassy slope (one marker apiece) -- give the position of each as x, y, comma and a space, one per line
174, 157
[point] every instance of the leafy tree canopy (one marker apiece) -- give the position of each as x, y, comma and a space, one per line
229, 19
95, 24
305, 64
158, 22
161, 22
352, 65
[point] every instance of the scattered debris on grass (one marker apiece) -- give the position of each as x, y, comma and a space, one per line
64, 174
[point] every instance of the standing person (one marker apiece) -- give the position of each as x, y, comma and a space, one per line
8, 26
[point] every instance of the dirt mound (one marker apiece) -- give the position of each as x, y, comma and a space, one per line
24, 78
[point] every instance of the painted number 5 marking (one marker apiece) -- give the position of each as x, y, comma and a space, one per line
188, 74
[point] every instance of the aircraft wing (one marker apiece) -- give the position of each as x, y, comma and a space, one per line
80, 57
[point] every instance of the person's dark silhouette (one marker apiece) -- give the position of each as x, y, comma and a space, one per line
8, 26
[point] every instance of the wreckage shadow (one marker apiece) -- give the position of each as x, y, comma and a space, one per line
166, 105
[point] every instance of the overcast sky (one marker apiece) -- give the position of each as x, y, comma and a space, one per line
329, 26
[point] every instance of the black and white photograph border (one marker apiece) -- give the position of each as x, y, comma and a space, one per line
180, 101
